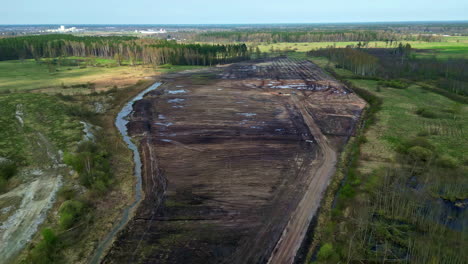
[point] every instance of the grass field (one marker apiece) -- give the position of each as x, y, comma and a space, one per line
24, 114
450, 47
30, 75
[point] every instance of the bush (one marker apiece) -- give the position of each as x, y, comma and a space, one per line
447, 162
423, 134
66, 193
92, 164
347, 191
424, 112
326, 252
413, 142
418, 153
46, 250
70, 212
3, 185
166, 66
79, 111
8, 169
398, 84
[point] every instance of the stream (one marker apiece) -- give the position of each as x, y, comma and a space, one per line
121, 122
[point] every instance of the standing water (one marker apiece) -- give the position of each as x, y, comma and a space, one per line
121, 124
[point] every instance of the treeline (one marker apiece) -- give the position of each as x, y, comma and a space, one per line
357, 61
134, 50
399, 63
311, 36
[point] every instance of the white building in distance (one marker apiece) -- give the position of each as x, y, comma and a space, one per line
63, 29
150, 31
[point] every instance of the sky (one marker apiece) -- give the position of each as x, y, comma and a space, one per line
227, 12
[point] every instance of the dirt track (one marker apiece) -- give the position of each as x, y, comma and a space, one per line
25, 208
233, 157
295, 231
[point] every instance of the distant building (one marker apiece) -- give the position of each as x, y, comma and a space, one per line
150, 31
63, 29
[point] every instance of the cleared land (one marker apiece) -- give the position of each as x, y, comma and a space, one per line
231, 155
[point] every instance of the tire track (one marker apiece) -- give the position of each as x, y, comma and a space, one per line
294, 233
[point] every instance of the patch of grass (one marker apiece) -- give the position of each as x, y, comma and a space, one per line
425, 112
26, 115
30, 75
166, 68
398, 84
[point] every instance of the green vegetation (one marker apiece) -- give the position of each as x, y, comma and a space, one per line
394, 84
46, 250
402, 175
449, 47
70, 212
26, 117
174, 68
92, 164
276, 36
147, 51
66, 75
8, 169
397, 63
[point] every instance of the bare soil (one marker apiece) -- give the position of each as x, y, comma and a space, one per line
235, 161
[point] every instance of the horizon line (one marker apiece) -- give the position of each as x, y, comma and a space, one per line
245, 23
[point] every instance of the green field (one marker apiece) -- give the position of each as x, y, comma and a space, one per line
450, 47
30, 75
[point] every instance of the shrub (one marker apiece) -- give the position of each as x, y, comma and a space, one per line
446, 161
325, 251
423, 134
398, 84
92, 164
424, 112
347, 191
8, 169
70, 212
66, 193
413, 142
45, 251
3, 185
80, 111
418, 153
166, 66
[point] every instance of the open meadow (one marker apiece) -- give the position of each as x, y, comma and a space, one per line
449, 47
81, 75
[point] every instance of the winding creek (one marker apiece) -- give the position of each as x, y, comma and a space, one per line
121, 122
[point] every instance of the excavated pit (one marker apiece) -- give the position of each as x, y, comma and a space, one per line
228, 156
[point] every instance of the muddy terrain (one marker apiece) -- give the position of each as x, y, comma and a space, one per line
235, 161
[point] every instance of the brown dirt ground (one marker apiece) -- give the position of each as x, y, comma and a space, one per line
235, 162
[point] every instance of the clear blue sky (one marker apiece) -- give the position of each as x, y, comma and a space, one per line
227, 12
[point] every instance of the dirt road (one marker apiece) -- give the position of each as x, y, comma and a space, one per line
23, 209
294, 233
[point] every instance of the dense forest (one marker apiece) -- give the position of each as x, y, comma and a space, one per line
134, 50
399, 63
310, 36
